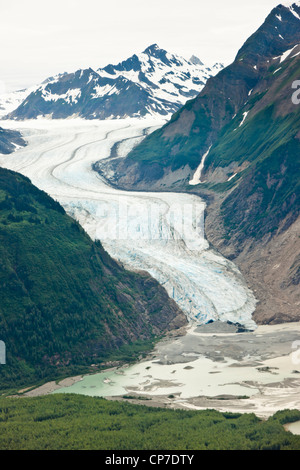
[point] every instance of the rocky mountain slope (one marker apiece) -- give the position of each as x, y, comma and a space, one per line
64, 302
10, 140
238, 144
153, 82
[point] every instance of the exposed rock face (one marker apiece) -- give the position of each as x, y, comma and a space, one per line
138, 177
10, 140
270, 265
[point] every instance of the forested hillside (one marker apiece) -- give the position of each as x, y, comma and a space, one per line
64, 302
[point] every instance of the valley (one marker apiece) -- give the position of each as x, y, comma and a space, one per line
149, 228
145, 231
161, 233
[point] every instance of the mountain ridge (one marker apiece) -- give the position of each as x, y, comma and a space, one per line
10, 140
153, 82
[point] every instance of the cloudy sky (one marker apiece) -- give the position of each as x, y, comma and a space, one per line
41, 38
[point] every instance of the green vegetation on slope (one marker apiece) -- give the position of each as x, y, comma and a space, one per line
256, 82
74, 422
64, 302
267, 190
268, 199
175, 151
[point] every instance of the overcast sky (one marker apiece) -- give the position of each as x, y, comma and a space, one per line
41, 38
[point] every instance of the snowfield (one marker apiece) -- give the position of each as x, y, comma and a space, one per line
162, 233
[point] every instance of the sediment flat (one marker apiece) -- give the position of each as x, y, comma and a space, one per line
210, 366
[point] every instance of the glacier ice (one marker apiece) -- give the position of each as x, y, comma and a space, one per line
162, 233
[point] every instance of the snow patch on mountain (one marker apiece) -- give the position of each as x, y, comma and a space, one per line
71, 96
198, 173
287, 53
294, 12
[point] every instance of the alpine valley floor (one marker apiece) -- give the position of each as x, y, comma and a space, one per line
208, 366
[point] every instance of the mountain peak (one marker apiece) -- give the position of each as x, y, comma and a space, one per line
195, 60
279, 32
152, 49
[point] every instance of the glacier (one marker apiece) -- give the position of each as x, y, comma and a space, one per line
162, 233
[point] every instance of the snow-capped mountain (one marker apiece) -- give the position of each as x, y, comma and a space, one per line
153, 82
11, 100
